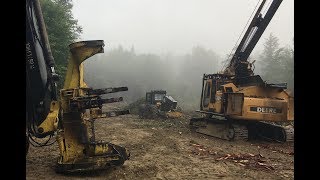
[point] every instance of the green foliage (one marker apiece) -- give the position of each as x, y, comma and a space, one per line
278, 62
62, 30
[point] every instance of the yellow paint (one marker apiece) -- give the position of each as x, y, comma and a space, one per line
255, 96
74, 137
51, 122
79, 52
174, 114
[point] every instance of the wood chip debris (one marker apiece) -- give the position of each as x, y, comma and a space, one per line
249, 160
201, 150
274, 149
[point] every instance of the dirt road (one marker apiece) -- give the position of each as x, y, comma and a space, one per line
167, 149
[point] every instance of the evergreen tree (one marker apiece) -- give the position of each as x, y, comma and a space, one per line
62, 30
278, 63
271, 64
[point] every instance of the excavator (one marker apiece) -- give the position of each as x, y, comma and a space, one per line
238, 105
70, 114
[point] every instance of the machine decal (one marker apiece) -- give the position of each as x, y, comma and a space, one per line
265, 110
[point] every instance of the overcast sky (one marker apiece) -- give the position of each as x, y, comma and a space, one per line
175, 26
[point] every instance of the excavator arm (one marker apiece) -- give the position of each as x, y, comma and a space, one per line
40, 72
239, 65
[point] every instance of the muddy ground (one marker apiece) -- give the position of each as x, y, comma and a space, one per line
168, 149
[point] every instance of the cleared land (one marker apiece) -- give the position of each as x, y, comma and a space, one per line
168, 149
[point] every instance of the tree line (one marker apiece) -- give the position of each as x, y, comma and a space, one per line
179, 75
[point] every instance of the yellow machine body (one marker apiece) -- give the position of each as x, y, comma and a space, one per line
235, 108
73, 120
158, 104
256, 103
70, 116
237, 103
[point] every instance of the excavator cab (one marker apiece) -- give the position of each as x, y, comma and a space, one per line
212, 91
245, 104
217, 86
156, 96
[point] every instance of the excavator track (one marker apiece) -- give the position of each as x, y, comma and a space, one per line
222, 129
289, 133
241, 132
231, 130
271, 132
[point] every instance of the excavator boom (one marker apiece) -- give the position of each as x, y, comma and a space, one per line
41, 78
238, 65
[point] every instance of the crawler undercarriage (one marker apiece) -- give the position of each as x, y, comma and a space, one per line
228, 129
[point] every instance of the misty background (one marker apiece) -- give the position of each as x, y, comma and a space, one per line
169, 44
176, 26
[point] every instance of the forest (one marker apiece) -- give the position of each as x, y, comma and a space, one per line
180, 75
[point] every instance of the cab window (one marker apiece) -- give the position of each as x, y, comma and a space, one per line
207, 92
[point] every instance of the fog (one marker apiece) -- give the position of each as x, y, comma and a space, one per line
168, 44
175, 26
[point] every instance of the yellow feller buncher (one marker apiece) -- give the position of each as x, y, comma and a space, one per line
237, 104
69, 116
159, 104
